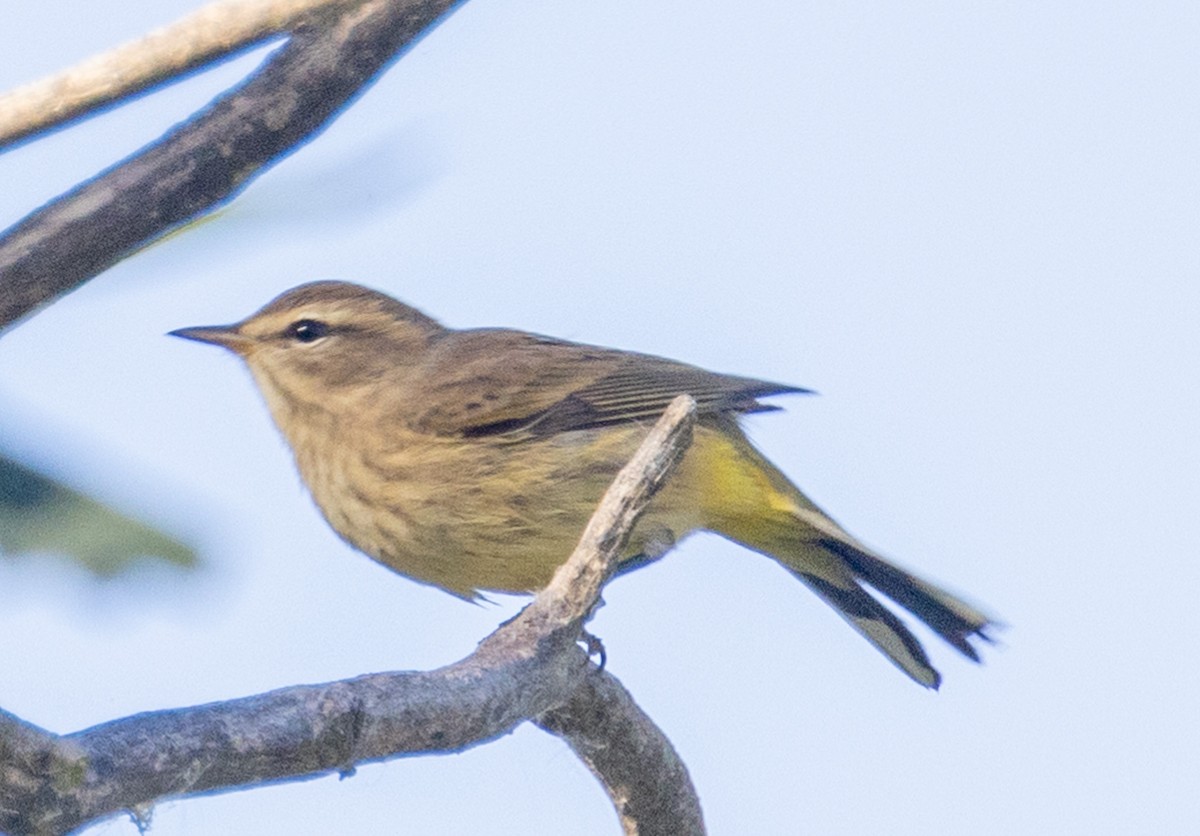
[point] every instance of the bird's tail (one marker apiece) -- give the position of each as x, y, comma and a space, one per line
838, 571
749, 501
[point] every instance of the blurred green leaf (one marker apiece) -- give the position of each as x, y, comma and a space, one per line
40, 515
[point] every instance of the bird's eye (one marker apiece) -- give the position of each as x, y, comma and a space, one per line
307, 330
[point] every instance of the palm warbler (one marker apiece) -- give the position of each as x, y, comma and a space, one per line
471, 460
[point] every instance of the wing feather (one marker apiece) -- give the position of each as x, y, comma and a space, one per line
497, 382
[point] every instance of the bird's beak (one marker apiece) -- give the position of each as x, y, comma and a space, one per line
226, 336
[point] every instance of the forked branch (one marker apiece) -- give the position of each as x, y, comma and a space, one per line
531, 668
303, 86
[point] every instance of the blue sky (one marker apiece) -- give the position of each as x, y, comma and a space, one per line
971, 228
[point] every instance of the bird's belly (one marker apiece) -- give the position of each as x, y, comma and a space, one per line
480, 514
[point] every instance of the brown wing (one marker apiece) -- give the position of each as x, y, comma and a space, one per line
500, 382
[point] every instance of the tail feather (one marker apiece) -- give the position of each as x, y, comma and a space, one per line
748, 500
951, 618
837, 571
877, 624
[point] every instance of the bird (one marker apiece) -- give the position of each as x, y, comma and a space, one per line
471, 459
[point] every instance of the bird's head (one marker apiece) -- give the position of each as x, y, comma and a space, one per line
324, 340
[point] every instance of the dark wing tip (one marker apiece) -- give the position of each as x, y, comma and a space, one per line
747, 400
766, 389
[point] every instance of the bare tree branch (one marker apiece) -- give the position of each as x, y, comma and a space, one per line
208, 159
621, 745
529, 669
215, 31
532, 667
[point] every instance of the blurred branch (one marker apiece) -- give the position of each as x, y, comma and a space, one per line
214, 32
531, 668
38, 514
325, 63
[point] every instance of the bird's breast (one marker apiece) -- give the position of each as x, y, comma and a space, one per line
464, 514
